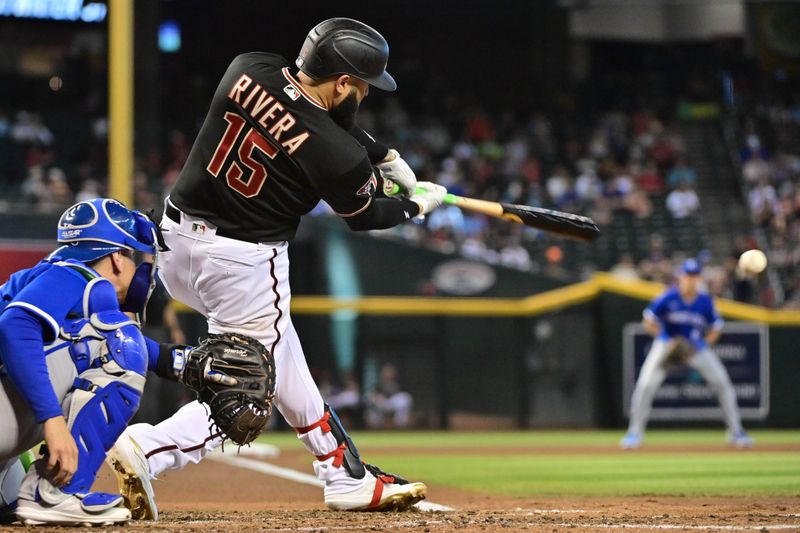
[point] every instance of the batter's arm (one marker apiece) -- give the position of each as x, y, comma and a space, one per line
382, 213
354, 196
376, 150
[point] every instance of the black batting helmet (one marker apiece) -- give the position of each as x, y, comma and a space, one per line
346, 46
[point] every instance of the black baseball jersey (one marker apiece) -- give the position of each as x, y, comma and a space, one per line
268, 152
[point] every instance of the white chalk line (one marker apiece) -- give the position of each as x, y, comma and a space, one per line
300, 477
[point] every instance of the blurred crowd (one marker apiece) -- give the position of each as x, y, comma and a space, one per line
44, 173
385, 405
606, 165
770, 169
611, 164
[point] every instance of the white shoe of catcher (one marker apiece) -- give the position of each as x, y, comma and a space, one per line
40, 503
379, 492
129, 464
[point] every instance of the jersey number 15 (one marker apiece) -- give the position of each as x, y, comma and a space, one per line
247, 187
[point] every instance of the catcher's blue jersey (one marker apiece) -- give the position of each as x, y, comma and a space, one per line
678, 318
55, 292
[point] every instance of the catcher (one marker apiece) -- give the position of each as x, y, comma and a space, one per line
685, 325
73, 365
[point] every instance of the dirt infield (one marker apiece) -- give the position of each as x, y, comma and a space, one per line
218, 497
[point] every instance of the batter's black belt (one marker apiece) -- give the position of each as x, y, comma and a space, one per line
174, 214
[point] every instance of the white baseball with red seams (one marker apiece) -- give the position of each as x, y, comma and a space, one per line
753, 261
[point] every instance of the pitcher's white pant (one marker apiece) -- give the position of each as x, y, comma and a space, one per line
240, 287
654, 372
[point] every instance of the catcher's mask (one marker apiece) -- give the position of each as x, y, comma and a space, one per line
92, 229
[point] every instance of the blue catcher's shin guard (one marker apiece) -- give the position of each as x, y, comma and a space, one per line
105, 395
96, 428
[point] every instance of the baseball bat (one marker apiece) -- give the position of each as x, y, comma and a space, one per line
565, 224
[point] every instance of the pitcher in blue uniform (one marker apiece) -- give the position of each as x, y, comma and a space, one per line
73, 363
682, 311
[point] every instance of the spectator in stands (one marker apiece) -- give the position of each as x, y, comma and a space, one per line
29, 129
657, 265
512, 253
388, 406
59, 192
649, 179
638, 203
683, 201
34, 187
753, 148
345, 398
89, 189
681, 173
762, 200
755, 169
559, 187
625, 269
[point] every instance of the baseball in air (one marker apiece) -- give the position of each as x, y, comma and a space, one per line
753, 261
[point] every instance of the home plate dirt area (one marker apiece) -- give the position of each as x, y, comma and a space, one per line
216, 496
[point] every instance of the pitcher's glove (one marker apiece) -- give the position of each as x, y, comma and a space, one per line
679, 350
235, 376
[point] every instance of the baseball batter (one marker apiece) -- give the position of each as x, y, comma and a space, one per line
73, 364
685, 325
276, 141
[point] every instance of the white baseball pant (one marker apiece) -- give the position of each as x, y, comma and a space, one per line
654, 372
240, 287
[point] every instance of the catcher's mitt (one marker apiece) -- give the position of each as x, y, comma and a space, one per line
235, 376
679, 350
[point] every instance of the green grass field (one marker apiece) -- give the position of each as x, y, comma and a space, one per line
593, 468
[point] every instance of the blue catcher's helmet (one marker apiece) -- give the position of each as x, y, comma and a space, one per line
95, 228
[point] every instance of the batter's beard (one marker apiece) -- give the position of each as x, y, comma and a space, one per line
344, 114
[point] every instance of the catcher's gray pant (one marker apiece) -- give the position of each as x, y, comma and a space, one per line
240, 287
654, 372
19, 430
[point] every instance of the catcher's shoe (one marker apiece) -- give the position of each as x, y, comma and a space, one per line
379, 492
40, 503
129, 464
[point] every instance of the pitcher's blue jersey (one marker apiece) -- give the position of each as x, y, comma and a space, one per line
678, 318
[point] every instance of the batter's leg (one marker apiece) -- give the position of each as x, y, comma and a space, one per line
713, 371
183, 438
350, 484
650, 379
